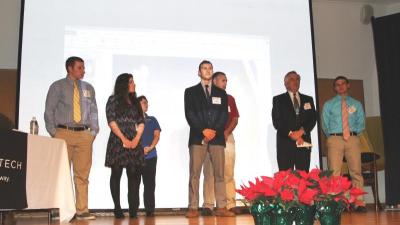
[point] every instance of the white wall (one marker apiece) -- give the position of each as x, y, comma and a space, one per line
390, 9
344, 46
9, 33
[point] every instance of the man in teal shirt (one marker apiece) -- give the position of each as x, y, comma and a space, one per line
343, 119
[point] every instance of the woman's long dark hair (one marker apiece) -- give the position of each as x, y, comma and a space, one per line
122, 95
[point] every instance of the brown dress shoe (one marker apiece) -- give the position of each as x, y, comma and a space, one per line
192, 213
223, 212
207, 212
236, 210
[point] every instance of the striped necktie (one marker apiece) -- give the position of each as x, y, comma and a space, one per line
77, 105
296, 104
345, 120
207, 92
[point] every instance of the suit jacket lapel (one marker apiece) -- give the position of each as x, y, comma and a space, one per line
302, 102
201, 93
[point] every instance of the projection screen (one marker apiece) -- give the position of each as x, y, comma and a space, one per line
255, 42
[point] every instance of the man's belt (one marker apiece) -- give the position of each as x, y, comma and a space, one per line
77, 128
341, 134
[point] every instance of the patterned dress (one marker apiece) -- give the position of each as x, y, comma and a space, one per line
126, 120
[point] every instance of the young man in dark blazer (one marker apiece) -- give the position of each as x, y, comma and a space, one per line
294, 117
206, 111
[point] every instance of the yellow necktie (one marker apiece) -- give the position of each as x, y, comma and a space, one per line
77, 105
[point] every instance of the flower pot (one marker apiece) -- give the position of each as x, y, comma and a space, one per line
271, 214
280, 216
261, 213
304, 214
329, 212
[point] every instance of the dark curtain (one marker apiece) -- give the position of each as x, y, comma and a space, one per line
387, 51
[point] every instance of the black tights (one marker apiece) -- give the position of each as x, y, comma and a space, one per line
133, 187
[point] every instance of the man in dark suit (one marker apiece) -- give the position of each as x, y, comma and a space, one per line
294, 117
206, 111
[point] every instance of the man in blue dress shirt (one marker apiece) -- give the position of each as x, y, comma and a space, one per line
71, 114
343, 119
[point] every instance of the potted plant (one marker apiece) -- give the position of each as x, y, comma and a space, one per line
297, 196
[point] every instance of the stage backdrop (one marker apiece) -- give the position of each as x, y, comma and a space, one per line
161, 43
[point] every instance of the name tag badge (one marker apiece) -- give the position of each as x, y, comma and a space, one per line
307, 106
229, 108
216, 100
86, 93
352, 109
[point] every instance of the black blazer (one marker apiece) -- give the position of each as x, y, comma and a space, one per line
201, 114
284, 118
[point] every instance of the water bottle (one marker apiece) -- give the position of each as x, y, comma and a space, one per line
34, 127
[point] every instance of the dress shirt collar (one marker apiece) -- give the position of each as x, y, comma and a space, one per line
71, 81
339, 97
204, 86
297, 96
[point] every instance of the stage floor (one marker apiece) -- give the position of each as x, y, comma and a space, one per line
369, 218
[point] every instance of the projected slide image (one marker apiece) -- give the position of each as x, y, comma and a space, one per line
163, 65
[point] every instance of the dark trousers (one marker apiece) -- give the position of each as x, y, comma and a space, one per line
148, 173
133, 175
294, 158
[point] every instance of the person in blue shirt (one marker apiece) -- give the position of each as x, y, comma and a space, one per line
343, 119
71, 114
150, 138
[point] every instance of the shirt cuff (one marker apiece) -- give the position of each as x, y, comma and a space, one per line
93, 132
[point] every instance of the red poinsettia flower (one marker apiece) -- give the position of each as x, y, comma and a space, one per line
292, 180
353, 195
287, 195
268, 180
314, 174
355, 191
247, 192
307, 196
289, 188
334, 185
266, 186
303, 174
279, 179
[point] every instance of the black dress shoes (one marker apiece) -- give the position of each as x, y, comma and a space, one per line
118, 214
360, 209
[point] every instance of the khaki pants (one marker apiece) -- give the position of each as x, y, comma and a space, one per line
351, 151
208, 186
79, 144
198, 154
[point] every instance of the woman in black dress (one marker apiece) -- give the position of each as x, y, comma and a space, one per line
125, 118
